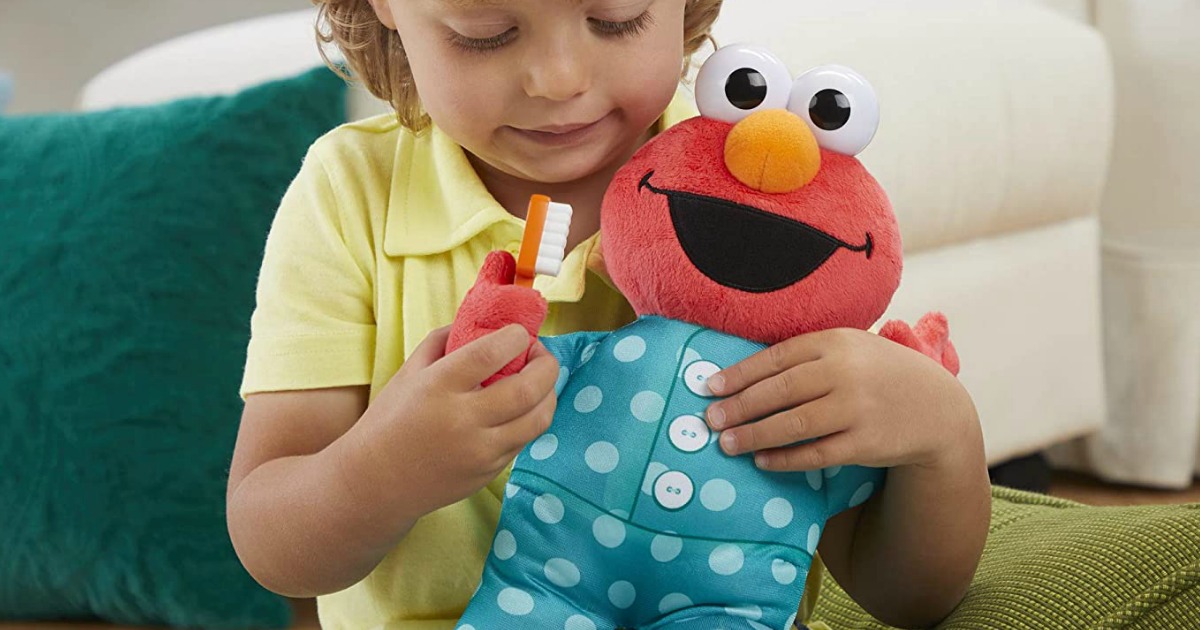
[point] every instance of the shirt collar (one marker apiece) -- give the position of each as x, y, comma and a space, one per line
440, 203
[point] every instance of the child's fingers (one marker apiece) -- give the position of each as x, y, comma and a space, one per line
838, 449
475, 362
787, 389
519, 432
812, 420
518, 394
766, 363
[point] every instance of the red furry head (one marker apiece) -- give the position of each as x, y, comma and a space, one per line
691, 233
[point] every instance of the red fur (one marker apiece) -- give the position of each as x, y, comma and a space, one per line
931, 338
493, 303
647, 263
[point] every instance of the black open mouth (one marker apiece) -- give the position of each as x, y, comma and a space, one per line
745, 248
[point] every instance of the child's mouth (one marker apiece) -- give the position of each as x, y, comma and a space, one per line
562, 135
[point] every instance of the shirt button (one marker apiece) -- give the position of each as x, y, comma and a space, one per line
696, 375
689, 434
673, 490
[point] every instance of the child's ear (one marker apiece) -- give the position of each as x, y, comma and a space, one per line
383, 11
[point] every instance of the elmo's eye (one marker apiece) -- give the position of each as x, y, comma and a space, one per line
739, 80
839, 106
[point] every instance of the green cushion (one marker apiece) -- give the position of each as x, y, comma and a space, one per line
1051, 563
131, 243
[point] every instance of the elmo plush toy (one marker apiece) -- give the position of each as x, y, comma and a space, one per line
743, 227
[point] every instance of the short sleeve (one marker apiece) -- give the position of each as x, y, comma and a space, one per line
851, 486
571, 351
313, 325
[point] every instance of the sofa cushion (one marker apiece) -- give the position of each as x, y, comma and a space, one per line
1052, 563
132, 240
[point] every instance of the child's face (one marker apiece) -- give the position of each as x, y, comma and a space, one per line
545, 90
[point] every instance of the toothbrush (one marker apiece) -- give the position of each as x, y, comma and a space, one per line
544, 244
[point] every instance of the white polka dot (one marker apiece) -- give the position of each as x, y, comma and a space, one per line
758, 626
674, 602
630, 349
778, 513
783, 571
652, 472
514, 601
588, 399
689, 433
561, 572
814, 537
622, 594
544, 447
665, 548
563, 376
791, 621
717, 495
689, 357
748, 611
673, 490
608, 531
505, 545
814, 479
696, 377
587, 353
466, 627
511, 490
832, 471
602, 457
579, 622
549, 509
647, 406
862, 494
726, 560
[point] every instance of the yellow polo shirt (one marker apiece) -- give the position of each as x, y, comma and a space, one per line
374, 245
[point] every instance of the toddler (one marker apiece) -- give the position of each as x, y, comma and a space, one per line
370, 466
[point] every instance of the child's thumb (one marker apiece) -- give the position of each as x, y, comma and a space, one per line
432, 348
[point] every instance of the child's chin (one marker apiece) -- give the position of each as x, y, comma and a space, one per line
564, 169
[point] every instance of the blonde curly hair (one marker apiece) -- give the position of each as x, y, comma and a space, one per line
376, 56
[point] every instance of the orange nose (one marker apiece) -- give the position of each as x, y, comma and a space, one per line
773, 151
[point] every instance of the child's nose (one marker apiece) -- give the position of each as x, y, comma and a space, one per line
558, 75
773, 151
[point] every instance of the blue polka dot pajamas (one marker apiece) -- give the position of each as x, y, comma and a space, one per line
626, 513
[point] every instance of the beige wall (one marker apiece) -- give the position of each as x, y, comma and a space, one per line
1079, 9
52, 47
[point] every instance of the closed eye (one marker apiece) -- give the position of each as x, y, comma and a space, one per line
628, 28
484, 44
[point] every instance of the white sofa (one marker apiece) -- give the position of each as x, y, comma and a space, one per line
994, 144
1151, 250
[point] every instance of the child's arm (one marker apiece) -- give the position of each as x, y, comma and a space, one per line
848, 397
323, 486
908, 555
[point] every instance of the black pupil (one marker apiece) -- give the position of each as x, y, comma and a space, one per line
829, 109
746, 88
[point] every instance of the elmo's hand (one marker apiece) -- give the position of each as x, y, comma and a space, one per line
495, 302
931, 337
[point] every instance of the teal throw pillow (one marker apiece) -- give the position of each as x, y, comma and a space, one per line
131, 241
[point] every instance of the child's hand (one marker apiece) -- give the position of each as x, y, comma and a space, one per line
433, 429
871, 401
